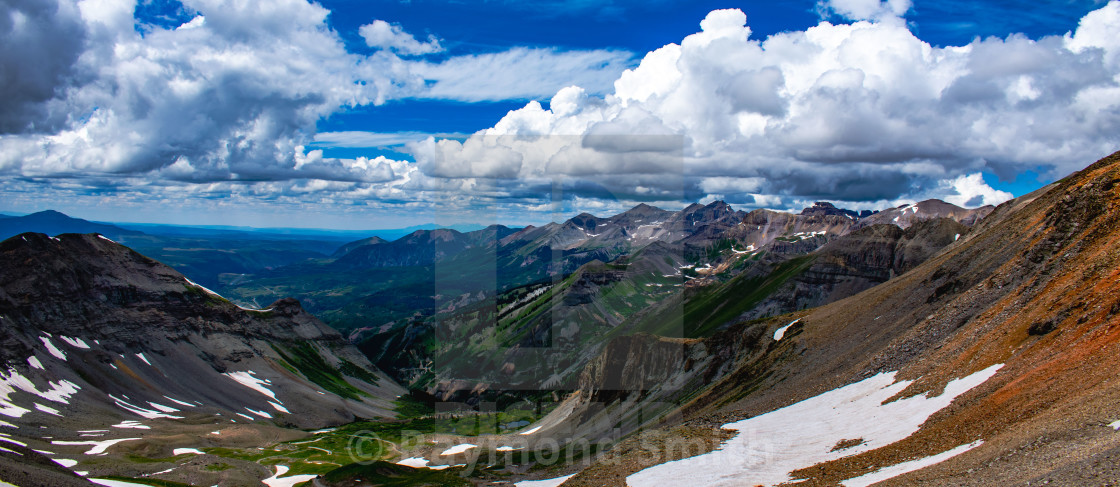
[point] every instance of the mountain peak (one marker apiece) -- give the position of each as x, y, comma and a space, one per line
51, 222
824, 208
52, 214
642, 207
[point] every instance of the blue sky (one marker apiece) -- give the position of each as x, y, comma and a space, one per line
376, 114
639, 27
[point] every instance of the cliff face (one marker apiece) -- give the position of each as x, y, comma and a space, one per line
127, 333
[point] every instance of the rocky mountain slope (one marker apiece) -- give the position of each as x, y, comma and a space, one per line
99, 341
991, 363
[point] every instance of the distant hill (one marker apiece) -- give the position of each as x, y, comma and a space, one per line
51, 222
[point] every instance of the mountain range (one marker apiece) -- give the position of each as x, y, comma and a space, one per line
925, 344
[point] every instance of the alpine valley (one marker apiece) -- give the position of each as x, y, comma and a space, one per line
925, 344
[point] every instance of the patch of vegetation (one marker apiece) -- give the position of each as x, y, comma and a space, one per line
142, 459
349, 368
415, 404
707, 311
307, 360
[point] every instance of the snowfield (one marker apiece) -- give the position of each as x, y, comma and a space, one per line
770, 446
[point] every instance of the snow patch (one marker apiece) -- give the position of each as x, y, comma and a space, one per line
781, 332
1115, 425
956, 237
47, 409
116, 483
5, 438
176, 401
59, 392
184, 451
161, 407
74, 342
204, 288
34, 362
534, 430
53, 349
417, 462
276, 481
507, 448
146, 413
906, 467
98, 446
262, 414
457, 449
142, 357
279, 407
246, 379
102, 237
132, 425
544, 483
65, 462
772, 445
414, 462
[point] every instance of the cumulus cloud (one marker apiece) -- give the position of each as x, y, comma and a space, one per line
42, 40
382, 34
231, 93
218, 98
861, 111
970, 190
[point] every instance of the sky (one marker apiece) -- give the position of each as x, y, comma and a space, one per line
360, 114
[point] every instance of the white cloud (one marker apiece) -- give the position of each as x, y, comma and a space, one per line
227, 104
971, 191
856, 112
232, 94
382, 34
